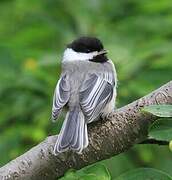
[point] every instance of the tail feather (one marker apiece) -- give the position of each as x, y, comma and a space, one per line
73, 134
79, 137
86, 136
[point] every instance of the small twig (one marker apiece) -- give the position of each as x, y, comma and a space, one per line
154, 141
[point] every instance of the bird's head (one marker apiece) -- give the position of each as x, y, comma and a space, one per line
85, 48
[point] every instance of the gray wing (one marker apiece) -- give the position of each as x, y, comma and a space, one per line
61, 96
95, 93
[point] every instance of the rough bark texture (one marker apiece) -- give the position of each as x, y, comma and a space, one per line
108, 137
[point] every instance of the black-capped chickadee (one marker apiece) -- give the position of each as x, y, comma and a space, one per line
87, 87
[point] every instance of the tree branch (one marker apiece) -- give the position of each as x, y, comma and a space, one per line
108, 137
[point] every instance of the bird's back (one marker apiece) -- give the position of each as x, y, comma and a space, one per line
77, 74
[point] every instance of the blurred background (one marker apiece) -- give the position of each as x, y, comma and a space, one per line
33, 35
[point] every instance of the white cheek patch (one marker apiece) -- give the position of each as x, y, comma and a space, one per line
70, 55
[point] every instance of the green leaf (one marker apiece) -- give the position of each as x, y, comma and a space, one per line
70, 175
99, 171
161, 129
94, 172
90, 177
143, 174
170, 145
159, 110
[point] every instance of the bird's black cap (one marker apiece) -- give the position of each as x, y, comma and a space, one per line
86, 44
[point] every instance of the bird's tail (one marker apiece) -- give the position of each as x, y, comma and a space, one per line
73, 134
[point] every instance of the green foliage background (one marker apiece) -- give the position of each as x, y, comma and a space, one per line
33, 35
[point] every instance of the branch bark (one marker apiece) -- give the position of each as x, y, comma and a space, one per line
110, 136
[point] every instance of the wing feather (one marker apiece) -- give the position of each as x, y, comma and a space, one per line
95, 93
61, 96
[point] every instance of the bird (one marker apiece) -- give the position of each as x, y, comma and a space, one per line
86, 88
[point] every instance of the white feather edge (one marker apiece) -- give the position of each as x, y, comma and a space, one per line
71, 55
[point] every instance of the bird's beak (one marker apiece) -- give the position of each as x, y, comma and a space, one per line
102, 52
